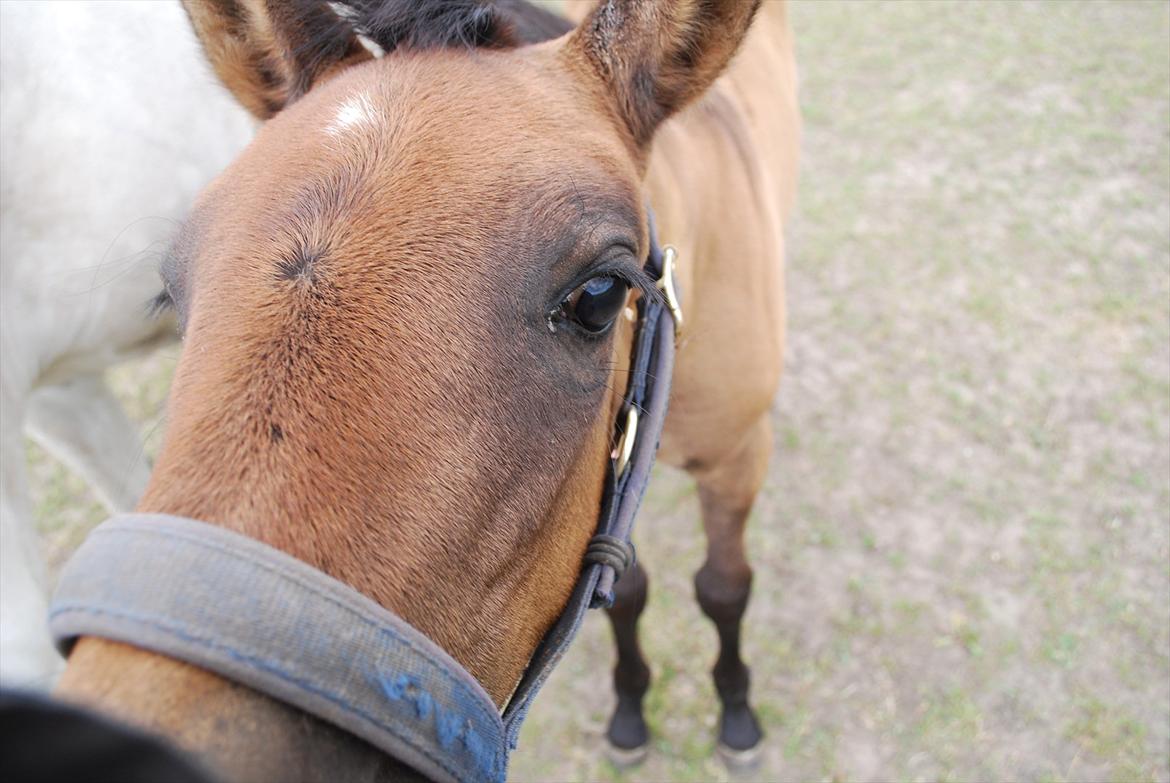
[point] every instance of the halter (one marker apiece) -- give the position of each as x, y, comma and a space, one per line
243, 610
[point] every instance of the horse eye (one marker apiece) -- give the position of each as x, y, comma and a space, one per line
596, 304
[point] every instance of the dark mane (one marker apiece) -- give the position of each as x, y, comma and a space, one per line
438, 24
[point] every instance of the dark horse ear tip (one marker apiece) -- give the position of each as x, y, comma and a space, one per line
657, 56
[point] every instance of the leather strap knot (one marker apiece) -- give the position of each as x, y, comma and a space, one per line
612, 551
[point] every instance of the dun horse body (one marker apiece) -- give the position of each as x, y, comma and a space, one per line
405, 347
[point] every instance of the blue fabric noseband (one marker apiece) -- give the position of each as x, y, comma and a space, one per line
241, 609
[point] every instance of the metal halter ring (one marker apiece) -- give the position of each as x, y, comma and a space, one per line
666, 285
626, 445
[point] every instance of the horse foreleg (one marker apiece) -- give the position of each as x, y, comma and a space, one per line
27, 656
81, 423
627, 733
727, 491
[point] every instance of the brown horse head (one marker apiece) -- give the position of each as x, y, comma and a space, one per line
403, 304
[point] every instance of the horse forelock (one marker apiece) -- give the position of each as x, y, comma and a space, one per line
436, 24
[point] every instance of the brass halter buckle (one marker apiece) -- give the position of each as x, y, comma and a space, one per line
625, 447
665, 284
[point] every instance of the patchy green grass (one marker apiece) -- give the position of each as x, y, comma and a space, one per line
1106, 732
963, 551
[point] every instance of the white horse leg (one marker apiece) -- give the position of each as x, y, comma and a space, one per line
27, 656
81, 423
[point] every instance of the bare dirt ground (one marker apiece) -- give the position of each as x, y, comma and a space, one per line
963, 551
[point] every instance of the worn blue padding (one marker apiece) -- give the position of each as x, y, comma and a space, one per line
166, 583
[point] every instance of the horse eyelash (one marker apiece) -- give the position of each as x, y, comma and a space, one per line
647, 285
635, 277
160, 303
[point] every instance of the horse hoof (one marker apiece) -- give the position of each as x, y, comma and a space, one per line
626, 758
737, 760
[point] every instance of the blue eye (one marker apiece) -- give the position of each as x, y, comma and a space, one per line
596, 304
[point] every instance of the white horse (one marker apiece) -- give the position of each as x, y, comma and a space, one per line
110, 121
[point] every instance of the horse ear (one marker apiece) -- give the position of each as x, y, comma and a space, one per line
656, 56
270, 52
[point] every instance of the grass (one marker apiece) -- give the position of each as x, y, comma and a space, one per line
963, 551
1106, 732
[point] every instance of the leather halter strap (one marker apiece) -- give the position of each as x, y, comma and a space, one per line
647, 394
234, 606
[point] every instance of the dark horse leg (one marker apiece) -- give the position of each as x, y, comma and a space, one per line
627, 733
727, 490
